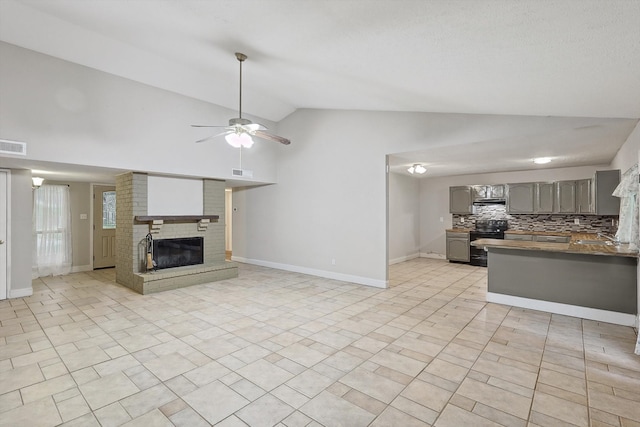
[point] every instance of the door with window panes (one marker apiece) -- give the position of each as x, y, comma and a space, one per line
104, 226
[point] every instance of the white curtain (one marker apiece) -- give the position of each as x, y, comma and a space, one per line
627, 191
51, 231
628, 229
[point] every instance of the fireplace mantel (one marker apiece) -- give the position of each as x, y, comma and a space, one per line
156, 222
177, 218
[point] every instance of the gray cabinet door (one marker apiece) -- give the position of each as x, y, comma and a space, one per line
566, 197
544, 197
460, 200
520, 198
605, 182
458, 248
584, 203
496, 191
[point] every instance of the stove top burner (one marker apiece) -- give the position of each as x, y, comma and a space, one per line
491, 225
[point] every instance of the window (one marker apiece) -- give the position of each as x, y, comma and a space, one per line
51, 231
108, 210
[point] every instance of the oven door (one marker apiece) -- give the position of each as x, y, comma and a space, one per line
477, 255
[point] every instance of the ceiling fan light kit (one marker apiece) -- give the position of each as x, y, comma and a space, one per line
417, 168
238, 140
240, 130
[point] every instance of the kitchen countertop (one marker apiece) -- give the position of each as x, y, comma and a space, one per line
459, 230
571, 247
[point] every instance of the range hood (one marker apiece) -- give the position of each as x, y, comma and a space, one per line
489, 201
489, 195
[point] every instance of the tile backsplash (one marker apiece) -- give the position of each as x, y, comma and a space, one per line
542, 222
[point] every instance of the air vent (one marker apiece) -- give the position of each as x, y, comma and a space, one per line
13, 147
242, 172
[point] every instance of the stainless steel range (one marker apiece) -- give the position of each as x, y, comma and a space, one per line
485, 229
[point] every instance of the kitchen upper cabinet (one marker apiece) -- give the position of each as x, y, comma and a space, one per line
520, 198
604, 183
460, 200
544, 197
565, 197
584, 203
495, 191
458, 246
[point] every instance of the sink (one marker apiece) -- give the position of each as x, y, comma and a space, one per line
595, 242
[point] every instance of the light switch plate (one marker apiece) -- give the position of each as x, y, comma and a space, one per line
83, 216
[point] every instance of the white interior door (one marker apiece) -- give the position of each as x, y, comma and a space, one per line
4, 203
104, 226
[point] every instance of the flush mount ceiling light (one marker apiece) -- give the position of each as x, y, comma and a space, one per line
417, 168
542, 160
37, 181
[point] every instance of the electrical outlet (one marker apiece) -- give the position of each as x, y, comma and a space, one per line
441, 219
576, 221
333, 261
461, 219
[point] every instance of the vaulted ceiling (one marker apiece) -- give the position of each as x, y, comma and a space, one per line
564, 58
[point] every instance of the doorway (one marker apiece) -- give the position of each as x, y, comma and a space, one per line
228, 211
104, 226
4, 236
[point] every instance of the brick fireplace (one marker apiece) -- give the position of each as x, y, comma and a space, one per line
133, 223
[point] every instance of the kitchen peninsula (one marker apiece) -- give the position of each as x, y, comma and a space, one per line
586, 277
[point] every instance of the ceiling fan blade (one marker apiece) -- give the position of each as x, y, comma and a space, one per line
253, 127
210, 137
209, 126
271, 137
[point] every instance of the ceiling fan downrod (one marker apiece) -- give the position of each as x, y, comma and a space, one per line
241, 57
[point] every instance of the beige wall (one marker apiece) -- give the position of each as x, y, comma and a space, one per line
21, 242
627, 155
404, 217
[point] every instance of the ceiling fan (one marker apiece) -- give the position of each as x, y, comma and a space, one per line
239, 131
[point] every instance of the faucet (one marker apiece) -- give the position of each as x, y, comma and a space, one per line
611, 238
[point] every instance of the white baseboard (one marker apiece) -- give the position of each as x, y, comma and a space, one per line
403, 258
432, 255
20, 293
565, 309
81, 268
314, 272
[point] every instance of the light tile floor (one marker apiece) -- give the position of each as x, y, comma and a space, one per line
278, 348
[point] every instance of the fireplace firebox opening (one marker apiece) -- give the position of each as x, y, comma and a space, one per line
169, 253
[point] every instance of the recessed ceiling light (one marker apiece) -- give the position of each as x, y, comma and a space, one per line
541, 160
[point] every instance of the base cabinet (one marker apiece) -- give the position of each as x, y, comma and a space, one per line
458, 246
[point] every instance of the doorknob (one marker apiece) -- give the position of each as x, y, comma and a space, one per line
1, 242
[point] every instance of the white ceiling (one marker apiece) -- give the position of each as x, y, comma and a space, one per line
565, 58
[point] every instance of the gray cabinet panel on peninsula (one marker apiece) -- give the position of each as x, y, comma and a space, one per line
590, 281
